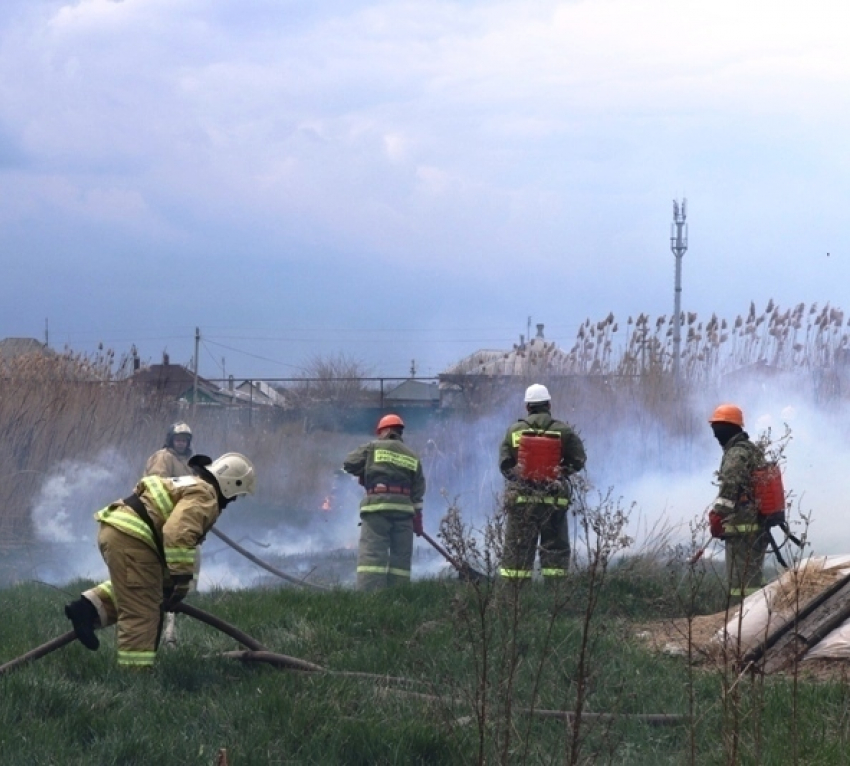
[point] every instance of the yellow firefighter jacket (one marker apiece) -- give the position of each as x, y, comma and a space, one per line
182, 510
167, 462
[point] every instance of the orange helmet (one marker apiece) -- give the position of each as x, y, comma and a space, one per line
728, 413
389, 421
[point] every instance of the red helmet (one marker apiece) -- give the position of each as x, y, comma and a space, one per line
389, 421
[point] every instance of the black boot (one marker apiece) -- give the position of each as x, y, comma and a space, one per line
83, 615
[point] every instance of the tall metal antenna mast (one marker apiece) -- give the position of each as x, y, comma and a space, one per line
679, 245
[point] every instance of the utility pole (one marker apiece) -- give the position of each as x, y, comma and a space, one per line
679, 245
195, 386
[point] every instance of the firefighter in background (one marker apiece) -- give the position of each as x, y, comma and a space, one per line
734, 514
537, 457
173, 458
149, 541
391, 509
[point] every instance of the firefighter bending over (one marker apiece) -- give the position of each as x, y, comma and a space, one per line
536, 457
173, 458
148, 541
734, 516
391, 510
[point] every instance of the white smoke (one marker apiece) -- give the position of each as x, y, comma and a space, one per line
667, 480
813, 473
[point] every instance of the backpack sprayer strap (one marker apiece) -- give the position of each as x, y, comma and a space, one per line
135, 502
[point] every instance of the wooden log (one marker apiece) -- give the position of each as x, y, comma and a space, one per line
781, 633
807, 631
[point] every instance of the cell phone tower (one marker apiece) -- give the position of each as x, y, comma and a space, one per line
679, 245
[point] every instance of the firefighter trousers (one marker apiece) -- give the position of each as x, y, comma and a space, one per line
386, 549
528, 523
745, 563
132, 597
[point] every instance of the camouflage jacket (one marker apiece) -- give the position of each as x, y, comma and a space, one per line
735, 502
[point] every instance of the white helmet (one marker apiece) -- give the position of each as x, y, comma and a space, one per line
234, 474
537, 394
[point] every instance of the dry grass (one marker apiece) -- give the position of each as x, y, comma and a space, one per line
69, 407
791, 339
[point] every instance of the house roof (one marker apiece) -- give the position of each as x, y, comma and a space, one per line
526, 358
260, 392
175, 381
414, 391
11, 348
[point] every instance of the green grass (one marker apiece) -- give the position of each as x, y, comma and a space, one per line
77, 707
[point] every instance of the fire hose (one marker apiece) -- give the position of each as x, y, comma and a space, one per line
257, 652
260, 563
464, 570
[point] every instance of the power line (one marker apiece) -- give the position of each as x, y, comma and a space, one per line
256, 356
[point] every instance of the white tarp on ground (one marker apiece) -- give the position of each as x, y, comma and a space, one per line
774, 605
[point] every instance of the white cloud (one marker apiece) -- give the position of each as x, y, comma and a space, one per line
443, 134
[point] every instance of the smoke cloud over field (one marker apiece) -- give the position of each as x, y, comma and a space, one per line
663, 473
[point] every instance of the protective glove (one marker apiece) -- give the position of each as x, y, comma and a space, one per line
176, 592
418, 529
715, 525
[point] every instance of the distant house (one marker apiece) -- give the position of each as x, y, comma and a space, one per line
486, 371
258, 392
176, 382
413, 393
535, 357
14, 348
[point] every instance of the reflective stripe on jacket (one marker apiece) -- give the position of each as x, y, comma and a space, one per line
182, 510
390, 472
734, 479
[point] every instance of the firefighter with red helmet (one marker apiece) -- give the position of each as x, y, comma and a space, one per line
173, 458
149, 541
391, 510
734, 515
536, 457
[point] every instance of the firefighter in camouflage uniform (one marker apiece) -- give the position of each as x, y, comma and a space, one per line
734, 515
391, 509
149, 541
537, 494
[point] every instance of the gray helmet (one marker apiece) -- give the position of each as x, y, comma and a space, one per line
177, 429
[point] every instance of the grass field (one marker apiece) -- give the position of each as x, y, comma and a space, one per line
450, 674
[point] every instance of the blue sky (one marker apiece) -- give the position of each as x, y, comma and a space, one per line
410, 180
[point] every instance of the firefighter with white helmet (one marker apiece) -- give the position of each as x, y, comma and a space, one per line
734, 515
173, 458
391, 510
536, 457
149, 541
